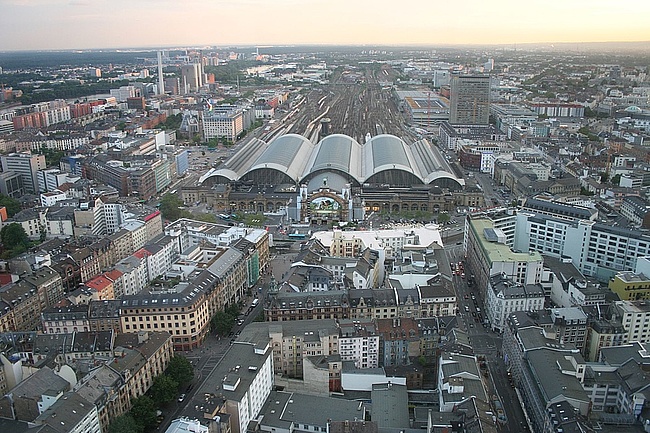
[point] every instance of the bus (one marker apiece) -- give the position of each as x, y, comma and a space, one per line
297, 235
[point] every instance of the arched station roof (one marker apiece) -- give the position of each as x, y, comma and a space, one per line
382, 159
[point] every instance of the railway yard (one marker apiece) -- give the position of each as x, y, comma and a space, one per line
356, 104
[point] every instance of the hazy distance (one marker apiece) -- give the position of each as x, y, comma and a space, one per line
83, 24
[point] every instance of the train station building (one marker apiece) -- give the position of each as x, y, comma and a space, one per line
336, 179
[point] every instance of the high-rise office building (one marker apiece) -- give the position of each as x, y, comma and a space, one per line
191, 77
27, 166
470, 100
161, 78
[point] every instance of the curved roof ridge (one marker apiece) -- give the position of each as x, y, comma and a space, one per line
288, 153
243, 159
225, 172
385, 151
337, 152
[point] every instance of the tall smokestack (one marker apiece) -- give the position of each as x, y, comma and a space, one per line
161, 79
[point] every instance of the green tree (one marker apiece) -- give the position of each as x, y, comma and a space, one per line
170, 207
163, 390
604, 177
180, 370
13, 235
222, 322
144, 412
12, 205
52, 157
205, 217
124, 424
615, 180
584, 191
172, 122
443, 217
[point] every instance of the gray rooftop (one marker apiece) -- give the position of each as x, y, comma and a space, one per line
533, 338
565, 271
44, 381
66, 413
462, 369
390, 405
284, 408
240, 365
618, 355
546, 366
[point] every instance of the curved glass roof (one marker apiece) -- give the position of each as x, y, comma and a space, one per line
338, 152
300, 160
387, 150
288, 153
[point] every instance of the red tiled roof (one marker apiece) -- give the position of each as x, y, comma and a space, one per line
99, 283
142, 253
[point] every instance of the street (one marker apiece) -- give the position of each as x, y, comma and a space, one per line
471, 319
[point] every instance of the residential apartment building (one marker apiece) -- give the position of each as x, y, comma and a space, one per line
184, 314
72, 413
26, 299
635, 318
459, 381
437, 297
534, 358
30, 398
359, 343
400, 341
630, 286
505, 296
636, 210
149, 351
601, 333
333, 304
293, 342
57, 320
104, 316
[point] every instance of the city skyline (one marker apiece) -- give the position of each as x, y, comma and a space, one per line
82, 24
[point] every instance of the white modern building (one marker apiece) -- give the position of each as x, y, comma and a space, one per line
50, 179
596, 249
244, 379
488, 254
159, 254
51, 198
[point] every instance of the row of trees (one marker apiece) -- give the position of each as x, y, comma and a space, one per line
172, 208
223, 322
143, 414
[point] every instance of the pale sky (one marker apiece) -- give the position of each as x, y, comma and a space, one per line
78, 24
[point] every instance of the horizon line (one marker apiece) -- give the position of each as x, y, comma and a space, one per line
322, 44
